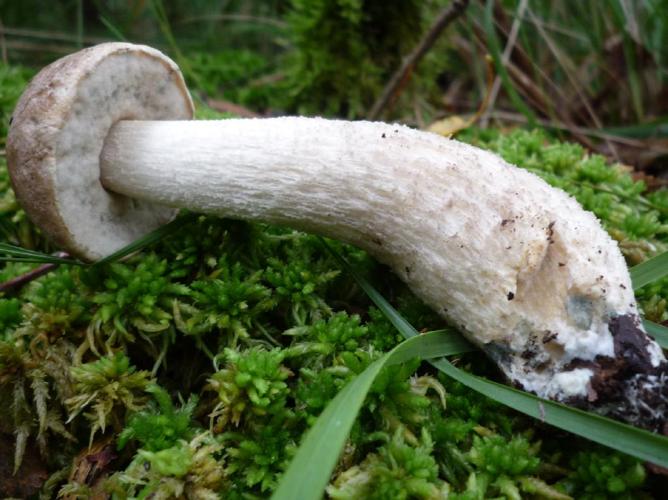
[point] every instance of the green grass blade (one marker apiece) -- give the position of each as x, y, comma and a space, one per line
112, 29
649, 271
653, 129
622, 437
148, 239
311, 468
658, 332
11, 253
397, 320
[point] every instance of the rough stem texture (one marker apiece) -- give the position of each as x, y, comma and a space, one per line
521, 268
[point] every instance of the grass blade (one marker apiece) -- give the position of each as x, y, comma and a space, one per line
649, 271
397, 320
658, 332
112, 29
622, 437
148, 239
494, 47
311, 468
11, 253
653, 129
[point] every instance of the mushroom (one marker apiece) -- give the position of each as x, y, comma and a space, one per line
100, 153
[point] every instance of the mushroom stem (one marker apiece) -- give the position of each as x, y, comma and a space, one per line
519, 266
431, 208
354, 181
416, 201
348, 180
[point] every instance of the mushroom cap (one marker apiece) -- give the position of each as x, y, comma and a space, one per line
58, 131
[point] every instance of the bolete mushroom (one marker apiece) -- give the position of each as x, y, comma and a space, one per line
100, 153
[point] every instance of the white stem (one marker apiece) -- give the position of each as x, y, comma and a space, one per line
417, 201
355, 181
484, 243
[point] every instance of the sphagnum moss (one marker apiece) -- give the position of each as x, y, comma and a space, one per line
266, 329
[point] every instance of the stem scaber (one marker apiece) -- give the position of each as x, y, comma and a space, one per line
532, 278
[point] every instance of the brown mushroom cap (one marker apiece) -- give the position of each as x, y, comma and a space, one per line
57, 133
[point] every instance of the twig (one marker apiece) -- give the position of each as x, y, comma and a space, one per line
266, 79
530, 91
40, 47
22, 280
391, 90
505, 57
519, 118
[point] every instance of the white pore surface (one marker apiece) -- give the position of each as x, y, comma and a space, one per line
467, 231
135, 84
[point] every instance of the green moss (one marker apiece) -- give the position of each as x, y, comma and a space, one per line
189, 469
10, 316
160, 426
56, 304
109, 388
230, 301
251, 384
137, 295
256, 459
497, 456
397, 470
598, 475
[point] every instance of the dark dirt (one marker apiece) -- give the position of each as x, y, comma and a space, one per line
28, 479
627, 387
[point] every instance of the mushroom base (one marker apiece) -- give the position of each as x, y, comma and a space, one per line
630, 386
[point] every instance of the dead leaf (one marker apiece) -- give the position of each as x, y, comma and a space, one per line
450, 126
91, 466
